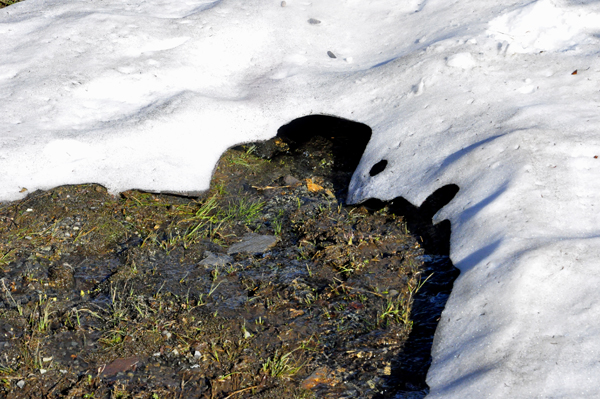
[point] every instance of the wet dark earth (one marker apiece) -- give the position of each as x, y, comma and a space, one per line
269, 286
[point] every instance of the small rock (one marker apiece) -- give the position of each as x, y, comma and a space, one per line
313, 21
253, 244
331, 55
213, 260
21, 384
166, 334
43, 371
393, 293
197, 354
291, 181
120, 366
283, 4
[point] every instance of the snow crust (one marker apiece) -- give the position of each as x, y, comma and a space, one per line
147, 94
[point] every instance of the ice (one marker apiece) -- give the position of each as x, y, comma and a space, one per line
500, 98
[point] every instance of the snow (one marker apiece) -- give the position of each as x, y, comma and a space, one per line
147, 94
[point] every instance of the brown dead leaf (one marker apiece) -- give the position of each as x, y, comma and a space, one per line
322, 376
295, 313
313, 187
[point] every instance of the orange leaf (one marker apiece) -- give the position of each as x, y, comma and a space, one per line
312, 187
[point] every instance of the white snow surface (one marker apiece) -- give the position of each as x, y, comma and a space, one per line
147, 94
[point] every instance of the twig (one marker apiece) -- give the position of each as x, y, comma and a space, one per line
241, 390
269, 187
343, 284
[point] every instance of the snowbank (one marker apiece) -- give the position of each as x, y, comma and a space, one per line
500, 98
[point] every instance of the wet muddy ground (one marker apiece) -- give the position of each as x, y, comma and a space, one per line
266, 287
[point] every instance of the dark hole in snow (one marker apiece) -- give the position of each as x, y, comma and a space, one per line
349, 138
378, 168
348, 142
436, 201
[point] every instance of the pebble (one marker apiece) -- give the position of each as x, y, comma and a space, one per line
291, 180
283, 4
213, 259
120, 366
313, 21
253, 244
331, 55
21, 384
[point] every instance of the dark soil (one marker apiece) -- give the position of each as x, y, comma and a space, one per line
266, 287
6, 3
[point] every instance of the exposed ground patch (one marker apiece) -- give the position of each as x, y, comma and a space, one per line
267, 287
